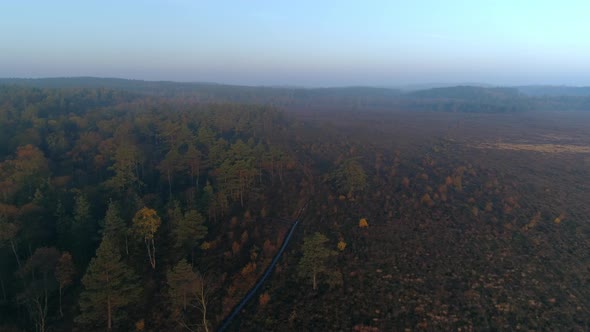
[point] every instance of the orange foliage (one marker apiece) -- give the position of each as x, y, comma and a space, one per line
8, 211
244, 237
341, 245
233, 222
140, 325
511, 201
363, 223
263, 299
458, 183
427, 200
61, 181
448, 181
406, 182
248, 269
534, 221
207, 245
268, 249
559, 219
460, 170
235, 248
147, 222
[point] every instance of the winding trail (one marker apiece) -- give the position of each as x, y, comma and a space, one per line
227, 321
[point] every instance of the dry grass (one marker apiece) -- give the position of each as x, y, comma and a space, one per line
544, 148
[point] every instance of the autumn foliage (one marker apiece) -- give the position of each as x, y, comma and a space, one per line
363, 223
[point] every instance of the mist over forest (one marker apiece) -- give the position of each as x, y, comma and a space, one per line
131, 205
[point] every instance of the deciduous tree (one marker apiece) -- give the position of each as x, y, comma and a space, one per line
39, 271
64, 273
146, 223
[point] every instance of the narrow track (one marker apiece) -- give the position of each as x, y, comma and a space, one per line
236, 311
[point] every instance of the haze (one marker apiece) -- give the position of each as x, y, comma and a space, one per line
309, 43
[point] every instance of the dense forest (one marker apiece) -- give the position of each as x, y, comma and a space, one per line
154, 206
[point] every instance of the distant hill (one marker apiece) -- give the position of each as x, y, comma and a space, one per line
466, 93
453, 99
554, 91
428, 86
469, 99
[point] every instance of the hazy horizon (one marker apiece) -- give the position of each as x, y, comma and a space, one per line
381, 43
409, 86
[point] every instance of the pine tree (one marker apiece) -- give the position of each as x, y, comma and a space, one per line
349, 178
83, 230
190, 230
115, 227
182, 286
315, 257
109, 286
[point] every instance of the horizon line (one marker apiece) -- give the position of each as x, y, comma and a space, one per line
300, 86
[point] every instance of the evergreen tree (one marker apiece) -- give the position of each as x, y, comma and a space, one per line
189, 231
182, 286
315, 257
109, 286
115, 227
83, 230
349, 178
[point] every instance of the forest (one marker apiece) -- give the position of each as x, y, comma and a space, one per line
157, 206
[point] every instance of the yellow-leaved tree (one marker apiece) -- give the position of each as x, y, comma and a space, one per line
363, 223
145, 224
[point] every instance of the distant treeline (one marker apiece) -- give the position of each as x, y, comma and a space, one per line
447, 99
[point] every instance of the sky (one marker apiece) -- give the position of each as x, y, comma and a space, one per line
302, 43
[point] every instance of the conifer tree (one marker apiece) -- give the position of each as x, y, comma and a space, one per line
315, 257
115, 227
109, 286
349, 178
182, 286
83, 230
190, 230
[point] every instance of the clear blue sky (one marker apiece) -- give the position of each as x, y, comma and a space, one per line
314, 43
